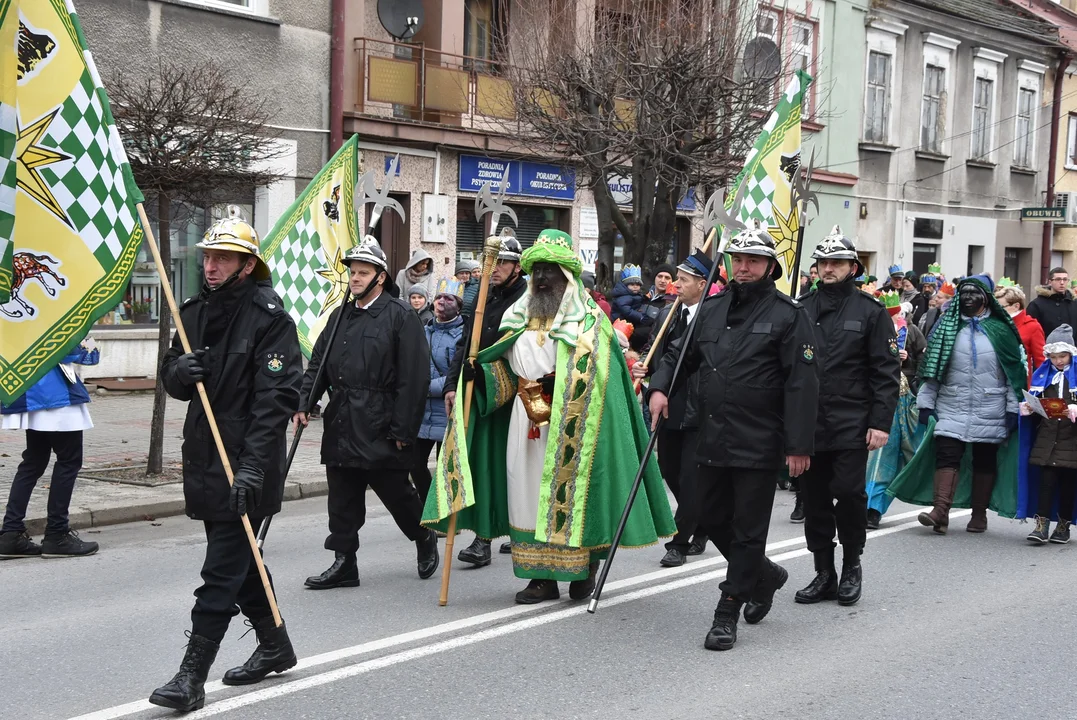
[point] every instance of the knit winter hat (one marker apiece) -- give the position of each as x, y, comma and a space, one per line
418, 289
1060, 340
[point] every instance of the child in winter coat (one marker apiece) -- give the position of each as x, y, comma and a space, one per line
441, 335
628, 298
420, 302
1053, 446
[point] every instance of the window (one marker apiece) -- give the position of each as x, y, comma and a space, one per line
783, 43
927, 228
1011, 264
877, 113
932, 124
975, 260
485, 26
1022, 154
1071, 143
802, 54
981, 117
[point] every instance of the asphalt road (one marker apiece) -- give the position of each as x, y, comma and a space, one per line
962, 625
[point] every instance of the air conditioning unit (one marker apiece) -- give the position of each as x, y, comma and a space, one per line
1067, 200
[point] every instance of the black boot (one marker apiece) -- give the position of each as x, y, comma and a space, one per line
698, 545
18, 545
773, 578
797, 516
66, 544
187, 690
477, 553
538, 591
1061, 535
852, 575
506, 548
723, 632
673, 558
274, 654
874, 518
1039, 534
582, 589
344, 572
428, 557
825, 584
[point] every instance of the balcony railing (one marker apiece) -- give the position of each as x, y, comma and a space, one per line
412, 82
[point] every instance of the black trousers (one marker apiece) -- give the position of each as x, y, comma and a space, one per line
347, 504
835, 498
1063, 481
735, 506
421, 474
39, 447
230, 581
677, 461
949, 451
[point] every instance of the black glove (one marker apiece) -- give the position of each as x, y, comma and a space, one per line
926, 414
246, 490
189, 369
547, 384
470, 372
1011, 422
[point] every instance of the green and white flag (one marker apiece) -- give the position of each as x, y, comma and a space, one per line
8, 134
75, 232
304, 248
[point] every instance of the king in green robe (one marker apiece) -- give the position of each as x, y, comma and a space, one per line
556, 488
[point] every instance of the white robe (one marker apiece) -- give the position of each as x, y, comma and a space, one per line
525, 457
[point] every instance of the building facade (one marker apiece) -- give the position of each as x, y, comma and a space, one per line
954, 136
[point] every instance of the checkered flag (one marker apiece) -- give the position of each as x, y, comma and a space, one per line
304, 248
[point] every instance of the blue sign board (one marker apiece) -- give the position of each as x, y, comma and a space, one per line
389, 163
525, 178
621, 190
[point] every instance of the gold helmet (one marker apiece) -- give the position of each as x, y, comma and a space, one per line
234, 233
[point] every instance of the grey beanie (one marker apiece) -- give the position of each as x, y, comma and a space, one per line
1060, 340
418, 289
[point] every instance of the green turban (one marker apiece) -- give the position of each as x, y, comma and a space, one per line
553, 246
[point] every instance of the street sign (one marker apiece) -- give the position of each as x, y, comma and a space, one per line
1043, 214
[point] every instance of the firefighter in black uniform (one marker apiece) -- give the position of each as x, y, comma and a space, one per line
677, 438
857, 356
754, 352
250, 362
378, 376
507, 284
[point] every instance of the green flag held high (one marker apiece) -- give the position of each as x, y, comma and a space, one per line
69, 229
304, 248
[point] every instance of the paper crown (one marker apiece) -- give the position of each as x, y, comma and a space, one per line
947, 288
1006, 282
891, 300
927, 278
624, 326
934, 269
631, 272
447, 286
896, 270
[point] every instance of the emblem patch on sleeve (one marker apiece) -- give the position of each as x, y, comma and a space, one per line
274, 362
807, 353
893, 347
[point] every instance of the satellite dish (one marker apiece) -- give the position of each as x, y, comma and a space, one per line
401, 18
762, 60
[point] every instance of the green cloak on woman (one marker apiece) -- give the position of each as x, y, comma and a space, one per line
594, 441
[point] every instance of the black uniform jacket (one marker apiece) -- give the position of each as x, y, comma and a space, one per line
498, 300
253, 371
378, 377
684, 401
857, 355
754, 351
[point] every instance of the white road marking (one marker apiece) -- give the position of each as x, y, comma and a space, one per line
544, 614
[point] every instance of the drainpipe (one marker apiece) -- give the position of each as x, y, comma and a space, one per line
336, 76
1052, 163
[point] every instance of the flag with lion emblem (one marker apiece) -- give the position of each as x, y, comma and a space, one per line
304, 248
74, 233
768, 170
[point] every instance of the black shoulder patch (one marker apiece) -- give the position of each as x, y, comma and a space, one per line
788, 300
268, 301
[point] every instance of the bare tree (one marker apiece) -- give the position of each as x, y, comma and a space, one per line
193, 135
654, 89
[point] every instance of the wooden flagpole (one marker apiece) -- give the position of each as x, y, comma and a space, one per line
489, 259
167, 287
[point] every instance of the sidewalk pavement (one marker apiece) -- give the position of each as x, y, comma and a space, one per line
121, 437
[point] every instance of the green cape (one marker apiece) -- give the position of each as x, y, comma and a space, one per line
915, 484
596, 441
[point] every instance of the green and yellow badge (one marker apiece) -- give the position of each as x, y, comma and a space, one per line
894, 347
807, 353
274, 362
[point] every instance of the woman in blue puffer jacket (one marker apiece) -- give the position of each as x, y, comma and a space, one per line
627, 298
53, 414
441, 335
